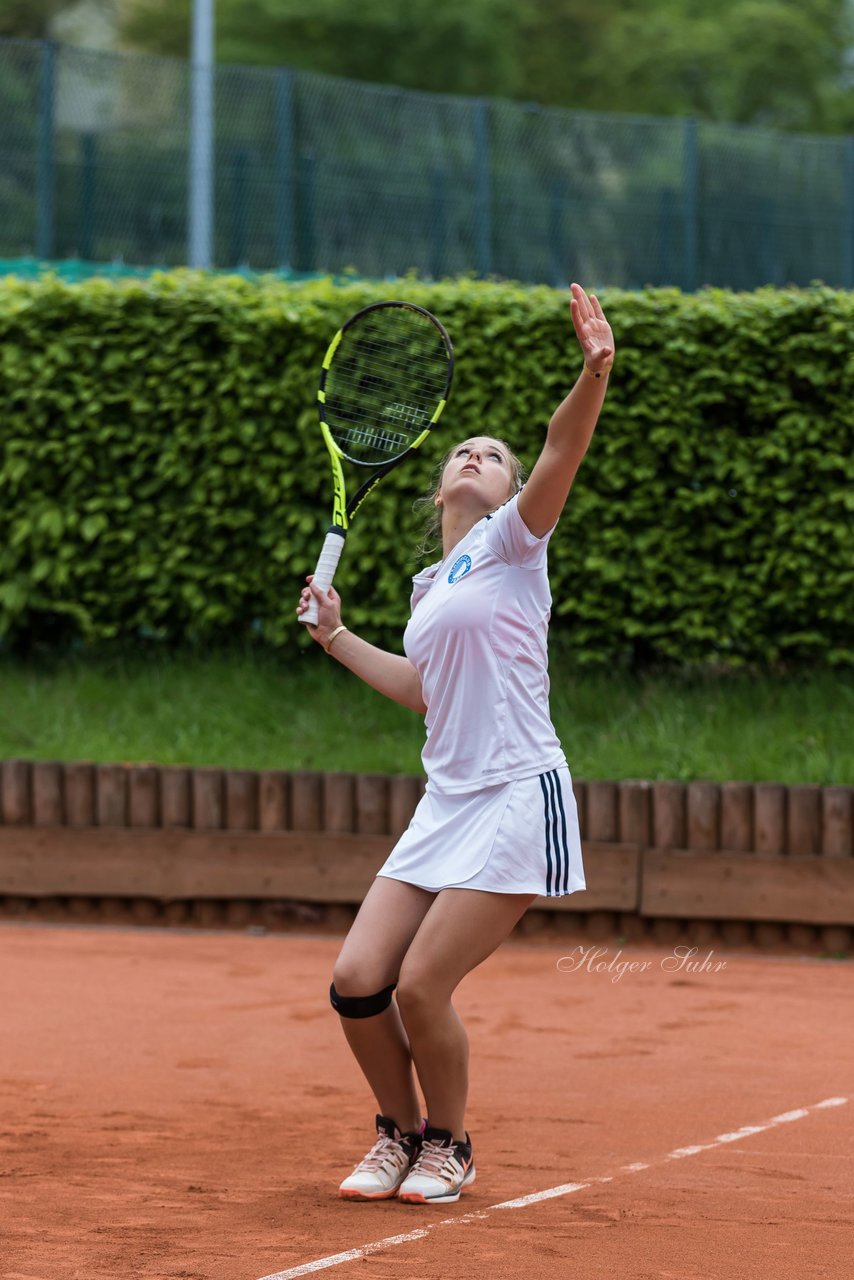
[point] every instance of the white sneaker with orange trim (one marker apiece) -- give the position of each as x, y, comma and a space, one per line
441, 1170
383, 1169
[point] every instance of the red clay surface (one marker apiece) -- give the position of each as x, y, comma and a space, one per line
184, 1105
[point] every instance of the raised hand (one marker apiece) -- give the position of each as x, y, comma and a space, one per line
592, 330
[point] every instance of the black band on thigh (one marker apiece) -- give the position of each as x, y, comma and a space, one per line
361, 1006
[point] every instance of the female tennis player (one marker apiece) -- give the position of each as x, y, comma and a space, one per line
497, 825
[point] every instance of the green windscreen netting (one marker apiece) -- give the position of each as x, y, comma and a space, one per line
317, 174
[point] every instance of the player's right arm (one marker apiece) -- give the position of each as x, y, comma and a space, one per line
388, 673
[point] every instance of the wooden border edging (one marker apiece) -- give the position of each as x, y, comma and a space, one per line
697, 850
171, 865
745, 886
308, 866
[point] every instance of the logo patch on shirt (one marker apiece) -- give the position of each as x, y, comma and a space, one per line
460, 569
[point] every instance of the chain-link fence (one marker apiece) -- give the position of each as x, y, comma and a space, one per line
314, 173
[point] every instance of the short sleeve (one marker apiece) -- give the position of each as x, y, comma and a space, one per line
421, 584
511, 539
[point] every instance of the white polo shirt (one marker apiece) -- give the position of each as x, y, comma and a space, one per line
477, 638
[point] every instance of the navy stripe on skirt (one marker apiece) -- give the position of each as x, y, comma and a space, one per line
557, 852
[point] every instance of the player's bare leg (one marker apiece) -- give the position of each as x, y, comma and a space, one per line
369, 961
461, 928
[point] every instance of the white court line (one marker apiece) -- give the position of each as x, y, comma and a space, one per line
567, 1188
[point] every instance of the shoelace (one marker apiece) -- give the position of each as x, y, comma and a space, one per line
384, 1149
435, 1159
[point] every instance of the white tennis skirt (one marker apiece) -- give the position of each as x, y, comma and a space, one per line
516, 837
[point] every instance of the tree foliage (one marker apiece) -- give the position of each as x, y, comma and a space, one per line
774, 62
780, 63
437, 45
28, 19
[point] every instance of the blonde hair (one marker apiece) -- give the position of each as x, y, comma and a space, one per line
431, 534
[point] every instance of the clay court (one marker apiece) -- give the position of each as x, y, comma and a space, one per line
183, 1104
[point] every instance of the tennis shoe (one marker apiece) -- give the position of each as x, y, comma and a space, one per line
441, 1169
383, 1169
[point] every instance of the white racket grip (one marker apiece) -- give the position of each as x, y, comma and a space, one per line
333, 545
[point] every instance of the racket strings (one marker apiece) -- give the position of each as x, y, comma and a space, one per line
411, 411
374, 383
384, 384
436, 361
399, 413
372, 361
386, 442
368, 436
372, 444
361, 378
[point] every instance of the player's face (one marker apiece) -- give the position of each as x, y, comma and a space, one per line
479, 469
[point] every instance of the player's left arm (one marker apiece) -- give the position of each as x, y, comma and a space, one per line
573, 422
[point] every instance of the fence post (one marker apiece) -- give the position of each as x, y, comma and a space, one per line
438, 220
483, 194
306, 212
847, 280
46, 163
200, 210
284, 181
668, 223
88, 162
557, 243
239, 206
690, 201
768, 252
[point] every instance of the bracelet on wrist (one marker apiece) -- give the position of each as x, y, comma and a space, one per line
591, 373
335, 633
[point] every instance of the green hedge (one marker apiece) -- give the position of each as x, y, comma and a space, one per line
162, 474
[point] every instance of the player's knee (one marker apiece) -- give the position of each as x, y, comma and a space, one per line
354, 972
360, 1006
414, 994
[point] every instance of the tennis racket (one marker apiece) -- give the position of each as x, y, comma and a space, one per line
385, 381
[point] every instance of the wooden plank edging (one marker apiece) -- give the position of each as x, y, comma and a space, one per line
737, 817
757, 851
683, 884
169, 865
